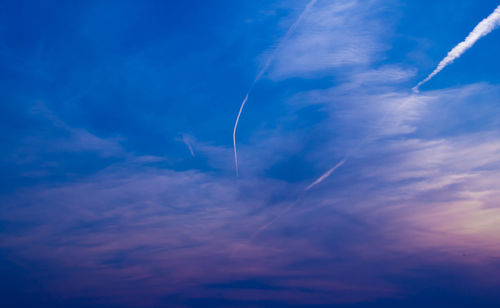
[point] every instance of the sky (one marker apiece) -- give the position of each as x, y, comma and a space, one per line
118, 184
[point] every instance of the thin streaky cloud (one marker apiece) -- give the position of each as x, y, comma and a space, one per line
486, 26
290, 31
263, 71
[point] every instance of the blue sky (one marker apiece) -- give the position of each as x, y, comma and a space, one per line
118, 185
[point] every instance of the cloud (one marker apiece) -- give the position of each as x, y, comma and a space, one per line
418, 193
441, 193
136, 227
124, 229
78, 139
335, 34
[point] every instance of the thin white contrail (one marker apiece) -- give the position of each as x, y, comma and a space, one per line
187, 141
321, 179
234, 132
264, 70
326, 175
190, 148
487, 25
318, 181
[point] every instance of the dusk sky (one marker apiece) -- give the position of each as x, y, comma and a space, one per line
352, 188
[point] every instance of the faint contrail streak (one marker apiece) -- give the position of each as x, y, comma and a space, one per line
319, 180
263, 71
326, 175
302, 194
487, 25
190, 149
188, 145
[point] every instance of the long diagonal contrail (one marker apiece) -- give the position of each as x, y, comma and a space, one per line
319, 180
487, 25
326, 174
263, 71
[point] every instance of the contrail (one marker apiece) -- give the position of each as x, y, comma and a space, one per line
234, 132
487, 25
190, 148
318, 181
326, 175
187, 142
302, 194
321, 179
264, 70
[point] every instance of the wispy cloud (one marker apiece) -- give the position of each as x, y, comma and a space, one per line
134, 228
419, 191
334, 34
79, 139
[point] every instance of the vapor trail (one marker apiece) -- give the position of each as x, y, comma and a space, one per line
190, 148
264, 70
321, 179
234, 132
487, 25
326, 175
187, 142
